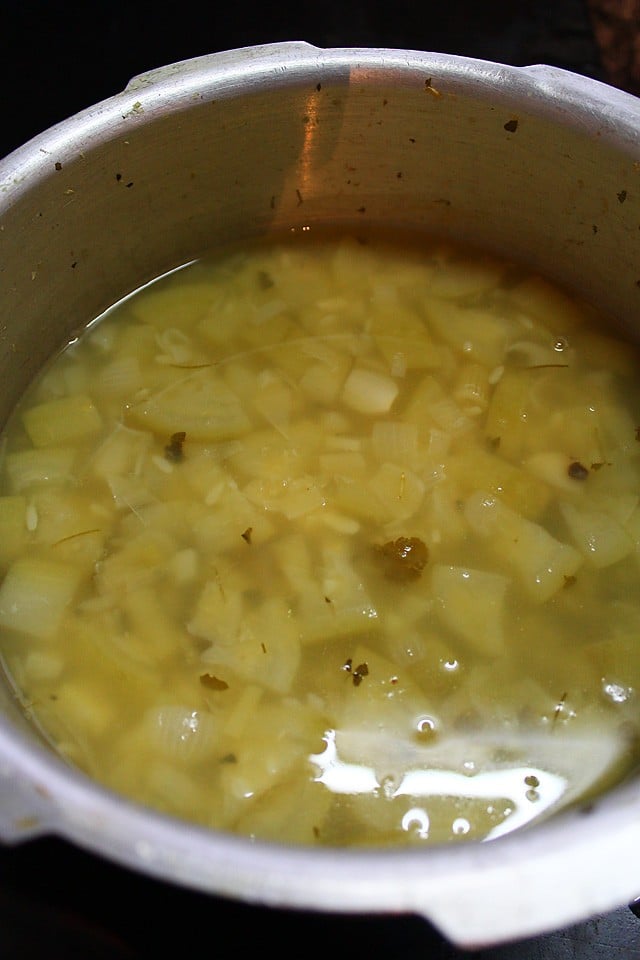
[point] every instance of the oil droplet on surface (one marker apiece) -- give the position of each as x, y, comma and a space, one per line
450, 666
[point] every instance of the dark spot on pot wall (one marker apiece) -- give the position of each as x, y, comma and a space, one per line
622, 196
58, 165
511, 126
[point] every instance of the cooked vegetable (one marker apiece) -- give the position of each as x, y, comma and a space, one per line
334, 542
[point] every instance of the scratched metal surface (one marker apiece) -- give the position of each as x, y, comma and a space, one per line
57, 58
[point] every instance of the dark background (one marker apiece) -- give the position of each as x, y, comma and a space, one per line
57, 58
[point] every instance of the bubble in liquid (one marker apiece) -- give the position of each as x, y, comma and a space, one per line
460, 827
416, 820
426, 729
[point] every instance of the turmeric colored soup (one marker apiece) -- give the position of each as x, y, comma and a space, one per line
332, 541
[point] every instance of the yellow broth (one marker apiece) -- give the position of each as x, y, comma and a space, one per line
333, 540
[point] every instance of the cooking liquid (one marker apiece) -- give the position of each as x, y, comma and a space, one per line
333, 540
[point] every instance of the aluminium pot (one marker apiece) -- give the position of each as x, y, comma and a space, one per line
533, 163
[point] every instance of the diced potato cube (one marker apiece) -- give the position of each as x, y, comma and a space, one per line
220, 525
122, 453
601, 539
431, 406
200, 404
345, 495
267, 322
69, 522
276, 402
265, 649
136, 562
415, 353
160, 305
369, 391
62, 421
35, 594
475, 468
553, 469
323, 380
268, 454
508, 421
129, 493
399, 490
537, 297
120, 378
471, 603
282, 735
443, 521
395, 441
294, 497
218, 612
28, 468
541, 563
330, 598
240, 718
43, 666
292, 811
575, 428
84, 709
149, 620
479, 335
